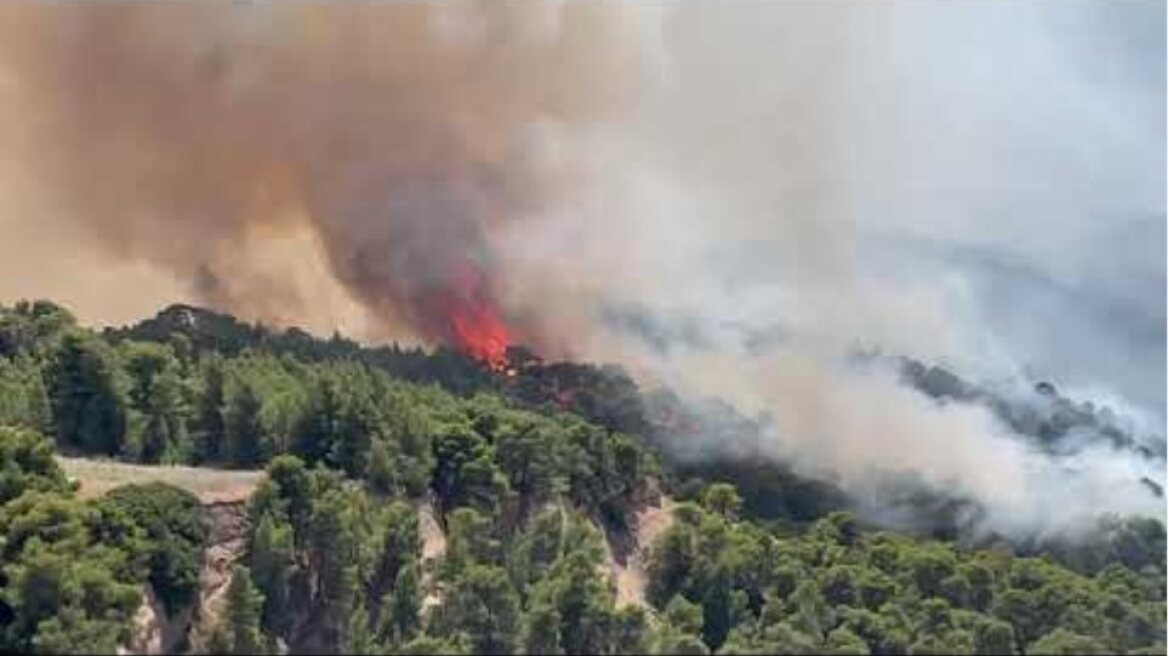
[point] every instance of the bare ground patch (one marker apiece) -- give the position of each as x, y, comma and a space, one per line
629, 569
97, 476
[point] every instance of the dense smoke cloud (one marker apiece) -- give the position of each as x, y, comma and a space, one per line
253, 150
729, 198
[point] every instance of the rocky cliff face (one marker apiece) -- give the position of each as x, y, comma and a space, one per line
224, 547
190, 628
628, 556
154, 631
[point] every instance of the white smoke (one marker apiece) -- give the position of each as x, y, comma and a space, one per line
942, 181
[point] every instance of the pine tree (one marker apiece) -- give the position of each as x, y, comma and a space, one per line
358, 639
340, 603
271, 557
381, 474
40, 408
400, 545
244, 430
210, 413
242, 614
89, 399
406, 602
541, 630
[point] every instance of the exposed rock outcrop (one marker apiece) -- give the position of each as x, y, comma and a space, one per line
157, 633
433, 548
224, 547
628, 554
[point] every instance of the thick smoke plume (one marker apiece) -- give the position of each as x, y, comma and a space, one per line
253, 150
729, 198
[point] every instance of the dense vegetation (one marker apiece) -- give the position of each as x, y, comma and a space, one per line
71, 571
527, 473
838, 589
333, 567
169, 402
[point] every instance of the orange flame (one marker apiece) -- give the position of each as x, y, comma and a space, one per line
473, 322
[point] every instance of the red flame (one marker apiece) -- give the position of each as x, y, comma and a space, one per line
473, 321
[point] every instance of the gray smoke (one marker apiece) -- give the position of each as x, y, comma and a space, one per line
978, 185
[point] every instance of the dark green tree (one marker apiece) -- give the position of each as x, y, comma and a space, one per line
1061, 641
176, 530
156, 396
405, 604
722, 499
272, 559
382, 477
242, 615
483, 604
211, 428
88, 395
27, 463
244, 429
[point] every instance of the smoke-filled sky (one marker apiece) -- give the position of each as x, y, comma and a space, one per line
730, 198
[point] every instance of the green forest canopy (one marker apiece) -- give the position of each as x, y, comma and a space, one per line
353, 438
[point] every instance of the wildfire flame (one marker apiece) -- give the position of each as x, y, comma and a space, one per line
473, 321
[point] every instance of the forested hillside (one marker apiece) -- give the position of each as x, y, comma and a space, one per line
534, 472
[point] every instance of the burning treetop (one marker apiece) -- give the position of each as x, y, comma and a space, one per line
471, 320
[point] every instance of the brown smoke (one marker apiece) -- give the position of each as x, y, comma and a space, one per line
310, 163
